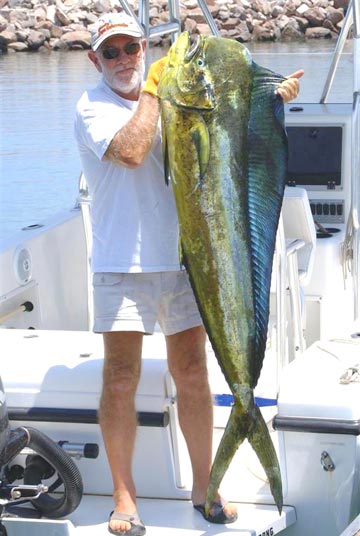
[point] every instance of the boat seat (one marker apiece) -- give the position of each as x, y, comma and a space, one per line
299, 225
58, 392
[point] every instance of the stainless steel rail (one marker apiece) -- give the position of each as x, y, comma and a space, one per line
355, 167
348, 21
26, 307
172, 27
351, 248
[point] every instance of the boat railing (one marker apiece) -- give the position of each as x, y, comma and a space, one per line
339, 48
355, 167
83, 202
172, 27
25, 307
351, 247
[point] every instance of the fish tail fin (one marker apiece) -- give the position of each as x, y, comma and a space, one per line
245, 423
235, 432
260, 440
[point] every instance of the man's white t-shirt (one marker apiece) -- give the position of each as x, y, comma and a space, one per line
133, 213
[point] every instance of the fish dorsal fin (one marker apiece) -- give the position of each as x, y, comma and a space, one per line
267, 163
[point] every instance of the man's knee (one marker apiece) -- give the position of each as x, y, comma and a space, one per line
190, 372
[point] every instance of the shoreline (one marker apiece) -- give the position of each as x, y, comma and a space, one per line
64, 25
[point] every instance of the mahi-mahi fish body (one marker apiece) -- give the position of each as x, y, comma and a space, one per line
225, 149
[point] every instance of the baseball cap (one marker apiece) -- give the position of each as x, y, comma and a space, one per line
113, 24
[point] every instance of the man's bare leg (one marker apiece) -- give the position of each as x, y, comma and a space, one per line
117, 415
187, 365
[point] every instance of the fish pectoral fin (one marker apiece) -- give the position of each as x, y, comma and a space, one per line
181, 254
201, 139
165, 152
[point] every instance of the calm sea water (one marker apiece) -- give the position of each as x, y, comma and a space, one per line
39, 165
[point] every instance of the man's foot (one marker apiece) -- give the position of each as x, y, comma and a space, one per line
131, 525
219, 512
125, 505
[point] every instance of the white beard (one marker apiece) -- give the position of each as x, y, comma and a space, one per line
129, 85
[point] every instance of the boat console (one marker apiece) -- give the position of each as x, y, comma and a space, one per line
319, 137
320, 162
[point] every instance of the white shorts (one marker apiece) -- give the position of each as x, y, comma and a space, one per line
135, 302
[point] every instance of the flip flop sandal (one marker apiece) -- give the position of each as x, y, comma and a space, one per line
137, 526
217, 514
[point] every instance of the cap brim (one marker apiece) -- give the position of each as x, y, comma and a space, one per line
111, 33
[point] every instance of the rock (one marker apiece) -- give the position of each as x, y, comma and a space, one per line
261, 6
80, 38
191, 4
14, 3
204, 29
35, 39
51, 13
66, 23
7, 37
317, 33
45, 48
328, 24
230, 24
291, 31
334, 15
303, 23
282, 22
277, 11
315, 16
22, 35
190, 26
290, 7
223, 15
302, 9
61, 16
242, 33
197, 15
341, 3
40, 13
103, 6
266, 32
22, 18
3, 24
18, 46
58, 44
56, 31
238, 12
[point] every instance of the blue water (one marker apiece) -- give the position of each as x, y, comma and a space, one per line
39, 165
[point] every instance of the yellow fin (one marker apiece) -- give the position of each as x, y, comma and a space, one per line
201, 138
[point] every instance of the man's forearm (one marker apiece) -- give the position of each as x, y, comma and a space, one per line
133, 141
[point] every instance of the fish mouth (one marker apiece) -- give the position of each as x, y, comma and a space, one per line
193, 49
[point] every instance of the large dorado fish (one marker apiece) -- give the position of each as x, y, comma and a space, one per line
226, 151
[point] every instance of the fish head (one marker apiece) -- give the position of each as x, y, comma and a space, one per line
186, 80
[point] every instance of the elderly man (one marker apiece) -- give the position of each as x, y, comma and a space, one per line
137, 277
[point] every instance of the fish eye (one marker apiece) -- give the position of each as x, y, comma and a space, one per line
193, 49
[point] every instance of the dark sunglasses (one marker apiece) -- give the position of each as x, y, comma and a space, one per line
110, 53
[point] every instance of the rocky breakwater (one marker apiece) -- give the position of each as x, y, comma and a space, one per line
31, 25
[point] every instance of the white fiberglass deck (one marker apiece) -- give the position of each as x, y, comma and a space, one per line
161, 517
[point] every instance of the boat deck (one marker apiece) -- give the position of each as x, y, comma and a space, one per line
161, 517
